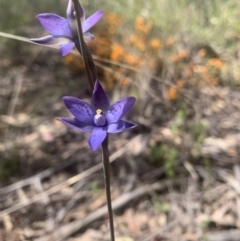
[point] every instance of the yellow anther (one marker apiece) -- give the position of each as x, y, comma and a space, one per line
99, 111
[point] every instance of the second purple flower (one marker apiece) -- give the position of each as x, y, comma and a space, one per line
64, 31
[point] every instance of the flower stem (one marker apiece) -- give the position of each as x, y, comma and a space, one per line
83, 46
92, 77
106, 169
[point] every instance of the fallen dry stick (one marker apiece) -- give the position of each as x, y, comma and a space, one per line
68, 229
229, 235
68, 182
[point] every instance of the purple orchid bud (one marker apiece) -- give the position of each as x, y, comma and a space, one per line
63, 32
99, 117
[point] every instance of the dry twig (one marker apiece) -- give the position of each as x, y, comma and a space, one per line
66, 230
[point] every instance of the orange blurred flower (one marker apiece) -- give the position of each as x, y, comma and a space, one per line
188, 72
202, 52
210, 79
193, 81
172, 93
117, 52
170, 41
180, 55
124, 82
140, 45
114, 19
68, 58
216, 62
155, 43
200, 69
183, 54
175, 58
180, 83
141, 25
151, 63
132, 60
133, 38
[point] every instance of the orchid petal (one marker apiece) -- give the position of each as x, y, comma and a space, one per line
55, 24
119, 109
50, 40
70, 12
82, 12
88, 37
99, 98
66, 48
91, 21
97, 137
71, 16
120, 126
80, 109
76, 124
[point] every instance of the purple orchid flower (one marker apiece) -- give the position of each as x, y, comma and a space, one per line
99, 117
64, 31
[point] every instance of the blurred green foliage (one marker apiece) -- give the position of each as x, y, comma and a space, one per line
165, 154
205, 21
9, 166
211, 21
162, 206
180, 119
94, 188
198, 131
208, 20
208, 169
17, 14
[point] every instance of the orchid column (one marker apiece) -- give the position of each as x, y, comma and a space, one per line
99, 117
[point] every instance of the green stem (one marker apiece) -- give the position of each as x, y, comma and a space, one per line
106, 170
82, 45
